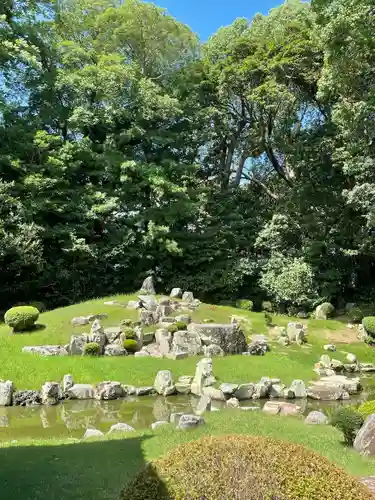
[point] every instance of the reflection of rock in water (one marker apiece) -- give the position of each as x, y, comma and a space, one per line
48, 416
78, 406
161, 410
4, 418
109, 411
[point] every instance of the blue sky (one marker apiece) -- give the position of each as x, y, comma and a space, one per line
206, 16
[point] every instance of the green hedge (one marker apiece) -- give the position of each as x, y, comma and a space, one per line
21, 318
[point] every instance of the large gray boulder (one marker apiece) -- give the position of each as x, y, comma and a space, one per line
114, 350
244, 391
148, 286
164, 383
229, 337
228, 389
297, 389
121, 427
80, 321
6, 392
183, 385
112, 333
295, 331
281, 408
77, 344
47, 350
213, 393
187, 341
109, 390
92, 433
81, 391
27, 398
189, 421
148, 302
147, 318
50, 393
188, 296
365, 439
324, 311
203, 376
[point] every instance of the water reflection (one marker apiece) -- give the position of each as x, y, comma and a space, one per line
71, 418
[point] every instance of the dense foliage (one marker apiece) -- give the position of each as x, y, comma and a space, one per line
348, 421
243, 467
366, 409
369, 325
21, 318
240, 167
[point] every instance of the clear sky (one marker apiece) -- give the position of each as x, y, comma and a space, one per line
206, 16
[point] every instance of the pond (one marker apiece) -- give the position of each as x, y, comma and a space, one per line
71, 418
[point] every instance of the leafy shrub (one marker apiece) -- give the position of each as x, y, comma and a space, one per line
367, 409
181, 325
268, 319
348, 421
355, 314
370, 341
126, 322
369, 325
245, 304
130, 345
267, 306
172, 328
91, 349
129, 333
250, 467
327, 308
21, 318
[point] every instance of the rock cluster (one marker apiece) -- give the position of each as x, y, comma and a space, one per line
328, 367
294, 333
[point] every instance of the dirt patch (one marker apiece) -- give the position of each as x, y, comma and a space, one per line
345, 336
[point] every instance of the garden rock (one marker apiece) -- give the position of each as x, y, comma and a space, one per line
175, 418
297, 389
81, 391
188, 296
324, 311
184, 318
48, 350
161, 423
183, 386
337, 365
325, 361
148, 302
295, 330
351, 358
365, 439
228, 336
281, 331
262, 388
330, 347
147, 318
93, 433
100, 316
162, 311
214, 394
134, 304
316, 418
362, 334
121, 427
281, 408
204, 404
27, 398
6, 392
233, 403
367, 367
244, 391
148, 286
145, 391
77, 344
176, 293
277, 391
112, 333
187, 341
80, 321
129, 390
283, 341
256, 350
228, 389
114, 350
96, 328
164, 383
161, 334
67, 382
212, 350
190, 421
108, 391
50, 393
203, 376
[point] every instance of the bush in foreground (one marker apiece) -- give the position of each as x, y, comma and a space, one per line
21, 318
369, 325
367, 409
243, 467
91, 349
348, 421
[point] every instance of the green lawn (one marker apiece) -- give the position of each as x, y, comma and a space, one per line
98, 470
30, 371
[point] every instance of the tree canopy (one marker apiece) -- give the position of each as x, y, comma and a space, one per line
239, 167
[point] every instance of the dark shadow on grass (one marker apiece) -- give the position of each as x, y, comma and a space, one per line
96, 470
35, 328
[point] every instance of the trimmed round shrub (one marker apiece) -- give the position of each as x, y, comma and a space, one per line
173, 328
130, 345
348, 421
250, 467
245, 304
129, 333
367, 409
181, 325
21, 318
327, 309
369, 325
355, 314
91, 349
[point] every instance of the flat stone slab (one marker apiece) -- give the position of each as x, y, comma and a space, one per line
46, 350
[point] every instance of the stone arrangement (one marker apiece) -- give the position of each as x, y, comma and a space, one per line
294, 333
329, 367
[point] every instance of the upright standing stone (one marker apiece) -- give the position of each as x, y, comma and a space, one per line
50, 393
204, 404
67, 382
176, 293
203, 376
148, 286
6, 392
188, 296
164, 383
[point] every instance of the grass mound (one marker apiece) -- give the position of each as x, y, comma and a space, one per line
243, 467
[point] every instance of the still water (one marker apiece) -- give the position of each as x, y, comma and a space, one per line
72, 418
